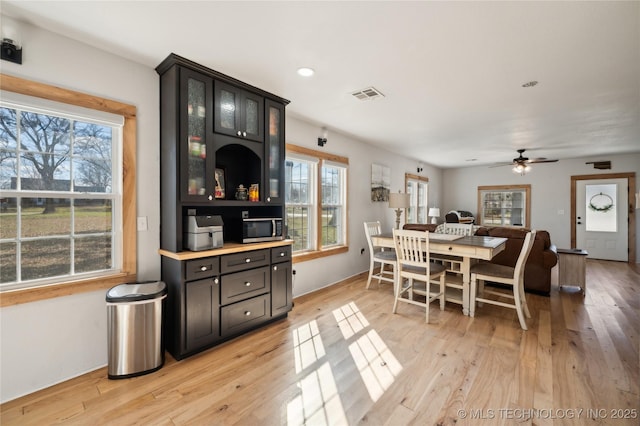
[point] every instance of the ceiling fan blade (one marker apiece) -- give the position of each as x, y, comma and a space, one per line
540, 160
501, 164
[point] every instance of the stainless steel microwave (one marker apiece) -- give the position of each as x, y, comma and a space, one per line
256, 230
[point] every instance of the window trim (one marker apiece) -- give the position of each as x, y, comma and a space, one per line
420, 179
332, 158
526, 188
129, 196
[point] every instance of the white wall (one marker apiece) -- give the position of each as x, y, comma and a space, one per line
49, 341
550, 190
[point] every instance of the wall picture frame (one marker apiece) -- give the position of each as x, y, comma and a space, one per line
220, 192
380, 182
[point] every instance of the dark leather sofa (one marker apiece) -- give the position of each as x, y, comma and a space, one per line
543, 256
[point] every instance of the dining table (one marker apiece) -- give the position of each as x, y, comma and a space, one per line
467, 248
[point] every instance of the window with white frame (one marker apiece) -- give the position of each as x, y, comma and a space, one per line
60, 192
417, 188
315, 201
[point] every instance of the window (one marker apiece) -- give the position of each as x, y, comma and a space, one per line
315, 201
417, 188
504, 205
66, 202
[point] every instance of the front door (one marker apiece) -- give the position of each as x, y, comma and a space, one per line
602, 218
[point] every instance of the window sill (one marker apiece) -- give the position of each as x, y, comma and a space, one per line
311, 255
26, 295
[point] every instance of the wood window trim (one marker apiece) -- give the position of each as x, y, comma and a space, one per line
319, 253
631, 190
129, 231
410, 176
526, 188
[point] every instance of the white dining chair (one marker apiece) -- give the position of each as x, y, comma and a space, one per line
453, 264
379, 256
513, 277
415, 266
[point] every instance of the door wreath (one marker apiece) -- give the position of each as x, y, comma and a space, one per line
601, 203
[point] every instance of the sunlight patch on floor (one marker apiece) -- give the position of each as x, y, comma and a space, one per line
350, 320
318, 399
307, 345
318, 402
377, 365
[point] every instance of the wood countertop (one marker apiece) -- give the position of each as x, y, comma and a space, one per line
228, 248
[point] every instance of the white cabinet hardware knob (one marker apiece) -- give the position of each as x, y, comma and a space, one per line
203, 268
248, 284
247, 313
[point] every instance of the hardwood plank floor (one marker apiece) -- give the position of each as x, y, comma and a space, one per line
342, 357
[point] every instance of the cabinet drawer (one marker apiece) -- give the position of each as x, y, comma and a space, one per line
243, 285
455, 251
245, 260
243, 315
280, 254
202, 268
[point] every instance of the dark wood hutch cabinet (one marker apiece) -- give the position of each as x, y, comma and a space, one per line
218, 133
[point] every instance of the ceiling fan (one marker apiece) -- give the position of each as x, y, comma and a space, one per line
521, 163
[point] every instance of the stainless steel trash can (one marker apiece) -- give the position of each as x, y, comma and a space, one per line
134, 321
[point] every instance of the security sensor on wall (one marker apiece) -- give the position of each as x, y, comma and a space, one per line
11, 46
322, 140
11, 52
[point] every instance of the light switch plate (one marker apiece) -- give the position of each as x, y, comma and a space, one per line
142, 223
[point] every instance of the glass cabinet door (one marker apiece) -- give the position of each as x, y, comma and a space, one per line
252, 117
227, 115
274, 151
238, 113
195, 175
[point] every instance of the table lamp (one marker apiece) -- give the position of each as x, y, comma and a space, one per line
398, 201
434, 214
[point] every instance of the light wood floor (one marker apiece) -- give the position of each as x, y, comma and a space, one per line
342, 357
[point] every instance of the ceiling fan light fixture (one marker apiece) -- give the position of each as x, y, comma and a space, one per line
521, 169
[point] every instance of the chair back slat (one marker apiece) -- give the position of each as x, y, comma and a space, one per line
524, 254
370, 229
412, 247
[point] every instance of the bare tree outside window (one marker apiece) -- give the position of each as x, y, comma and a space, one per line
50, 227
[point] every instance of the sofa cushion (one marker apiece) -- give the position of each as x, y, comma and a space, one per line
431, 227
454, 229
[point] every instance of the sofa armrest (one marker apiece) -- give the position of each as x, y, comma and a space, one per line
550, 257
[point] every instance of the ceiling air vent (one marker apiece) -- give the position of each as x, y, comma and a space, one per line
368, 94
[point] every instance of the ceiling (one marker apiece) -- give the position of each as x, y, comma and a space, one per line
451, 72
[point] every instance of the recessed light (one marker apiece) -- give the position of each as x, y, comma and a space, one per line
306, 72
